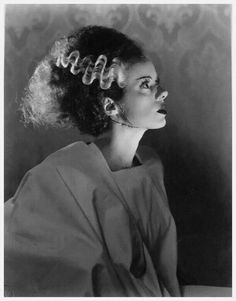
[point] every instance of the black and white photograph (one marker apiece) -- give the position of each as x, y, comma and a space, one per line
117, 149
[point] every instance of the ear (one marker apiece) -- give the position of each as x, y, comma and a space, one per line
110, 106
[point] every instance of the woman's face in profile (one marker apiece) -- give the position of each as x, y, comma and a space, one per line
142, 99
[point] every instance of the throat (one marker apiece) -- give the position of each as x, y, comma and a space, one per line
134, 163
116, 158
115, 164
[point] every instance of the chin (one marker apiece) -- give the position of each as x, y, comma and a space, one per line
163, 123
153, 125
158, 125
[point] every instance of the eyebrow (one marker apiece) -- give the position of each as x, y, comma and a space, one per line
148, 76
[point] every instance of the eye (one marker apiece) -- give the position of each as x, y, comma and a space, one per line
145, 84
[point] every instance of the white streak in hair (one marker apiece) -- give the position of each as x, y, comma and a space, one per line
97, 70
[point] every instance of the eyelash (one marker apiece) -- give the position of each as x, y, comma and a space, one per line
143, 84
157, 83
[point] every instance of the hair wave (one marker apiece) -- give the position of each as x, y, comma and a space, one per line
57, 98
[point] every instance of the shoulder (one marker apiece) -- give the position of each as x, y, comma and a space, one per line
45, 174
70, 155
43, 186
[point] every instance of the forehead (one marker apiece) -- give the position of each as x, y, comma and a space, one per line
140, 70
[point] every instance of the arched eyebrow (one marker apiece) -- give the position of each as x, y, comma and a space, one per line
149, 77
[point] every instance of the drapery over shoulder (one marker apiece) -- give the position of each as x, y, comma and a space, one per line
75, 228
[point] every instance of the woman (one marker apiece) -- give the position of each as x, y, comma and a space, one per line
93, 219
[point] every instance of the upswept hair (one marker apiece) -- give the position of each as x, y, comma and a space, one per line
55, 97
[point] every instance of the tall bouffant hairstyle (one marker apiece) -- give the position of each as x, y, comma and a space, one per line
56, 97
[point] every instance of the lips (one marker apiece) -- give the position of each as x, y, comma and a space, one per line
162, 111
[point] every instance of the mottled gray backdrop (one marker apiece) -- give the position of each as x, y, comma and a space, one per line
191, 47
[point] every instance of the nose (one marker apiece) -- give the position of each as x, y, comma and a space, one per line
161, 94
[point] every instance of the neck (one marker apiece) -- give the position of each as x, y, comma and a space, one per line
119, 146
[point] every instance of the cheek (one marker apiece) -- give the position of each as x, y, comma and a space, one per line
139, 105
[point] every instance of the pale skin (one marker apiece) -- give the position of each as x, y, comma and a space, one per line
119, 145
141, 103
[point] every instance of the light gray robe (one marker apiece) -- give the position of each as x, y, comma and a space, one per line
75, 228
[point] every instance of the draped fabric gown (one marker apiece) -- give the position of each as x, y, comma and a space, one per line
76, 228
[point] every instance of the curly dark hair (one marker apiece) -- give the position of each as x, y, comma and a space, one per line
55, 97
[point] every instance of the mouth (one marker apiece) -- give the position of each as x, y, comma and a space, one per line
162, 111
